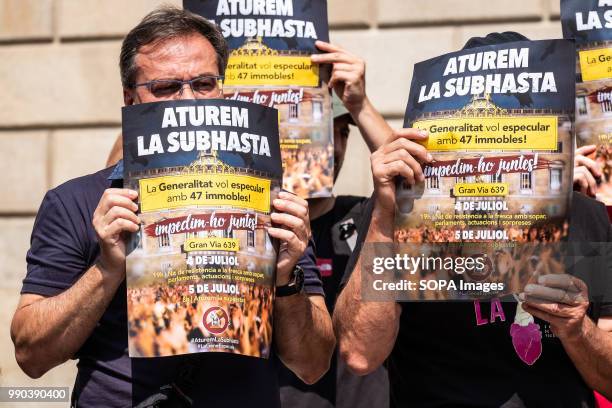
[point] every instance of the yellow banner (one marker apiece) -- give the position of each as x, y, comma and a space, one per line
480, 189
596, 64
278, 70
207, 190
491, 133
211, 244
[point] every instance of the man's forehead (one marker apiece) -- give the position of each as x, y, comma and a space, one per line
175, 43
177, 57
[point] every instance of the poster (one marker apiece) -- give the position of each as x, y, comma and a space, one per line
589, 23
500, 132
201, 270
270, 44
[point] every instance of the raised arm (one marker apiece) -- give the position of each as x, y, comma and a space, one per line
306, 338
358, 324
348, 81
303, 333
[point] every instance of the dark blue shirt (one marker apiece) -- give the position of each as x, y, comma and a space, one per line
63, 247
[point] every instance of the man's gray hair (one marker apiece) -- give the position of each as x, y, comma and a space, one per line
164, 23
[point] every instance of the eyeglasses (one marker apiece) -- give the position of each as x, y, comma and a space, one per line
206, 86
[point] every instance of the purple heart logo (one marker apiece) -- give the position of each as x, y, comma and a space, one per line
527, 341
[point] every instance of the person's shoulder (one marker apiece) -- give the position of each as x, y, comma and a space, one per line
81, 194
588, 219
94, 183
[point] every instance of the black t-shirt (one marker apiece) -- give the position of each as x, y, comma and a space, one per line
64, 246
469, 354
335, 237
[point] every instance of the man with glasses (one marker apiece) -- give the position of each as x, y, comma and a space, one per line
73, 302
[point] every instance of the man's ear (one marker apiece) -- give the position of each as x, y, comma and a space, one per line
128, 97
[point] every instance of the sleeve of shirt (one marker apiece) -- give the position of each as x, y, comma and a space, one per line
312, 275
362, 231
55, 259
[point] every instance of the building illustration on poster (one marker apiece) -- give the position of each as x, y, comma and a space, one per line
304, 118
270, 64
170, 253
536, 191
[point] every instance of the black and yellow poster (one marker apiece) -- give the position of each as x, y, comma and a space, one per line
499, 120
271, 42
589, 24
201, 270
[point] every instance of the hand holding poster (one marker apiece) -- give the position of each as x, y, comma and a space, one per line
499, 120
589, 23
271, 43
201, 271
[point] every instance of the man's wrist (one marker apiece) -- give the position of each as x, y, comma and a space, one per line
108, 272
283, 281
295, 284
383, 212
381, 225
358, 109
583, 331
284, 276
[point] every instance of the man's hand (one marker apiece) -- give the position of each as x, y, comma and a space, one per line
294, 233
349, 82
586, 171
562, 301
348, 74
114, 216
398, 157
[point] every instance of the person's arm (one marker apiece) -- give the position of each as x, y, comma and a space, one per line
348, 81
305, 340
591, 353
47, 331
303, 333
373, 127
366, 331
562, 301
365, 339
